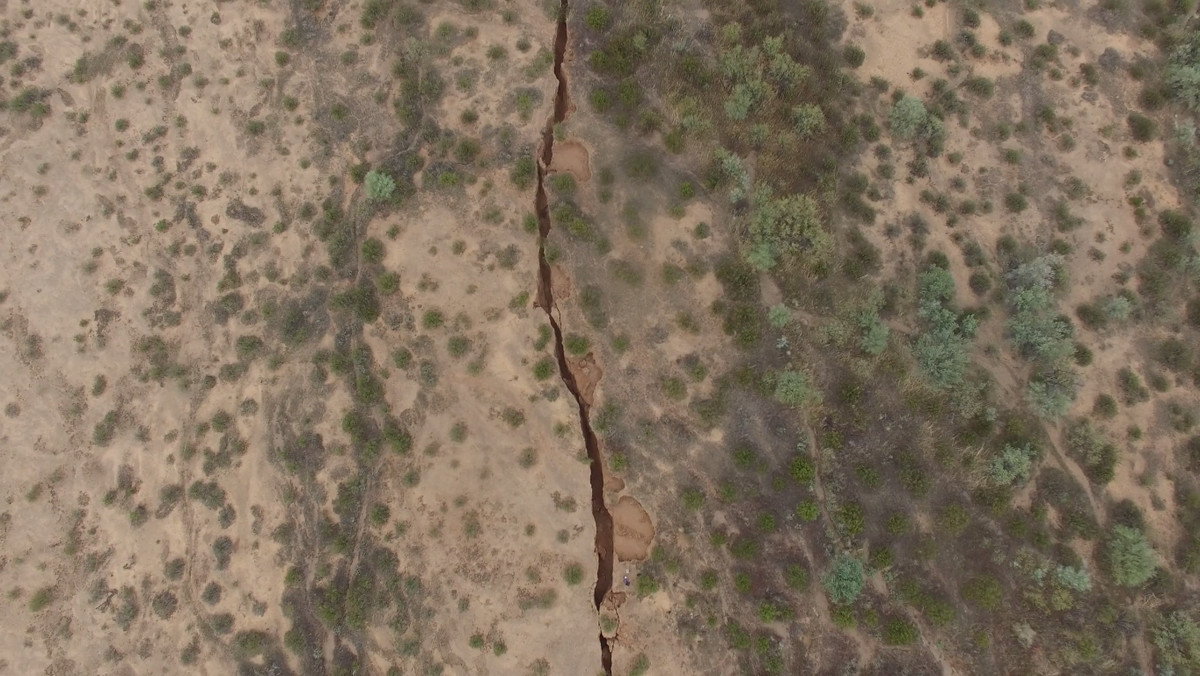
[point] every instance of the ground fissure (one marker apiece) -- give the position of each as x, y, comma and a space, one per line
545, 300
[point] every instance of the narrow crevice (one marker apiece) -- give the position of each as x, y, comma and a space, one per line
545, 300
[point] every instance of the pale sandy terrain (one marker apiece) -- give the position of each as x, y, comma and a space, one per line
480, 544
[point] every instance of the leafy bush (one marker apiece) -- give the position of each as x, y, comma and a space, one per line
802, 469
1093, 450
379, 185
909, 119
1076, 579
778, 316
1131, 560
1142, 128
810, 119
943, 348
875, 334
523, 172
844, 582
598, 18
795, 388
1132, 389
733, 169
1177, 638
373, 250
1012, 466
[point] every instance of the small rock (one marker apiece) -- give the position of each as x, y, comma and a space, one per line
1091, 96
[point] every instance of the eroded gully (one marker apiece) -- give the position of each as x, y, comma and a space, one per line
545, 300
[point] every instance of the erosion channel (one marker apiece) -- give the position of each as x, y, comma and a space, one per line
545, 297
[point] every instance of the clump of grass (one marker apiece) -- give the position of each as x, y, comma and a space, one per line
543, 369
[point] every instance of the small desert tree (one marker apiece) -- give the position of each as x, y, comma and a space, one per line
734, 170
1131, 560
1183, 72
379, 185
786, 226
943, 349
1042, 334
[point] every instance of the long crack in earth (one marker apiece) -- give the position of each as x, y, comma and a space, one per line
604, 521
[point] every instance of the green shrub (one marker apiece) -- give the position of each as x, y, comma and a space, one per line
851, 519
779, 316
1177, 637
844, 581
1132, 389
1105, 407
373, 250
1076, 579
598, 18
544, 368
854, 55
1042, 334
809, 119
40, 599
1183, 72
796, 576
899, 631
211, 594
984, 592
909, 119
1092, 449
379, 186
802, 469
523, 172
1012, 465
875, 333
808, 511
433, 319
980, 86
646, 585
1142, 128
164, 604
795, 388
1015, 202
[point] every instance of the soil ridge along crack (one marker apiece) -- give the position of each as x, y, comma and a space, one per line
545, 300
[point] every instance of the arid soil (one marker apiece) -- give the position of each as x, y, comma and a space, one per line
383, 337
